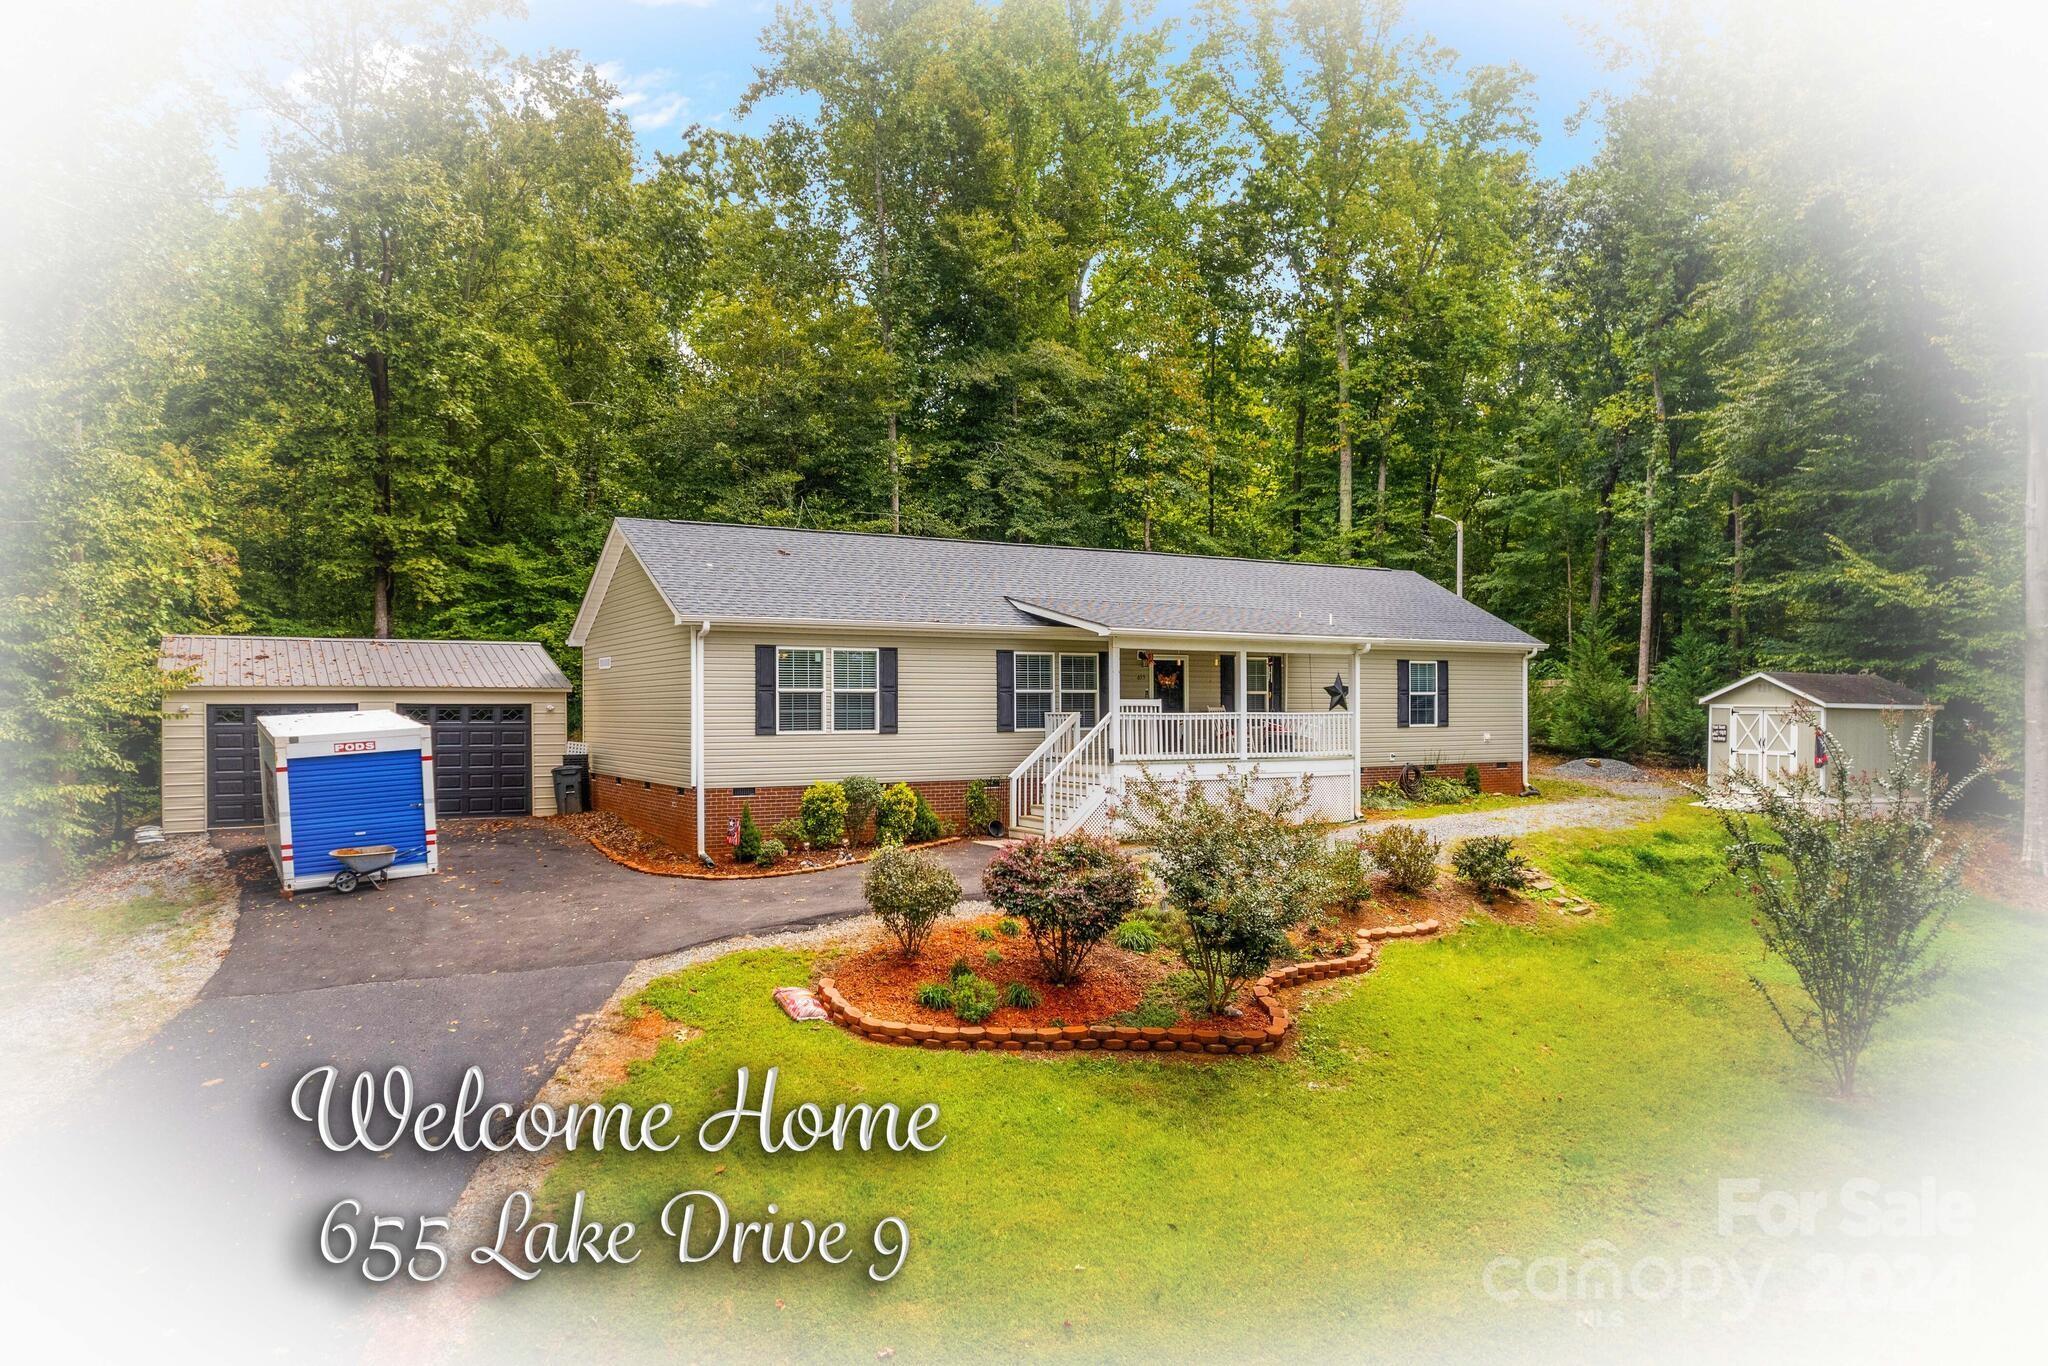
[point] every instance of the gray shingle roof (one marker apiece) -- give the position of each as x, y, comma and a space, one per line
330, 662
723, 572
1861, 690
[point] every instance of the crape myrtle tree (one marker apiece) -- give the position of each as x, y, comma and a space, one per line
1850, 882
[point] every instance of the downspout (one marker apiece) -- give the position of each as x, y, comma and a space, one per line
1526, 785
697, 731
1358, 732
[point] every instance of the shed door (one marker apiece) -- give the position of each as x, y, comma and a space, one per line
234, 770
1763, 744
483, 757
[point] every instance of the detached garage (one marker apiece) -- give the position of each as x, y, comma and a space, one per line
499, 711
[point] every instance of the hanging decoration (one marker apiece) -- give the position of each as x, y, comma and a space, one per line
1338, 692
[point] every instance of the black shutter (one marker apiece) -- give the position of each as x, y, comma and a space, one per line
1227, 669
1101, 685
1443, 692
1400, 692
764, 690
1006, 690
885, 698
1276, 680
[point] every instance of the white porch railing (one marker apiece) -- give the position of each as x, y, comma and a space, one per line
1077, 787
1027, 780
1146, 735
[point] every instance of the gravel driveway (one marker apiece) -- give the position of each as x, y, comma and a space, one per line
1642, 802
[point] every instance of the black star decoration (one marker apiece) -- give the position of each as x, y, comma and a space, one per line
1338, 691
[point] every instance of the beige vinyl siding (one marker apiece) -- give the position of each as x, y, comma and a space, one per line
184, 735
946, 711
1757, 693
1485, 698
636, 713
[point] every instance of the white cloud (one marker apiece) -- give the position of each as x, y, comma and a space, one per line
648, 99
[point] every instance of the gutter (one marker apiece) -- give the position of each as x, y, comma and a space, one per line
697, 732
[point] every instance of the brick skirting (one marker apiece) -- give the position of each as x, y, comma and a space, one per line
1122, 1038
1504, 779
669, 813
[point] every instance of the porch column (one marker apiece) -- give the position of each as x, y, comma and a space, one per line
1116, 689
1244, 685
1357, 733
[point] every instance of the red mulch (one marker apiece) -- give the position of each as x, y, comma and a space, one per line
880, 981
627, 844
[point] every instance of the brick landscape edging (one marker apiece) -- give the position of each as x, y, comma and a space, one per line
1124, 1038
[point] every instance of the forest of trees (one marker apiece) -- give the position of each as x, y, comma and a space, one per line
1745, 388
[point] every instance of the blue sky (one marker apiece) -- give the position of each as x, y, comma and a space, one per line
686, 61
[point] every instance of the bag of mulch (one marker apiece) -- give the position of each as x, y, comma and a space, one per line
799, 1003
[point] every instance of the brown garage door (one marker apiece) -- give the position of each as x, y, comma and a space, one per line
483, 757
234, 770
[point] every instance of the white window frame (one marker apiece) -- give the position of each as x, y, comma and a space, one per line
1416, 695
1265, 694
829, 691
874, 693
1050, 692
1061, 693
823, 690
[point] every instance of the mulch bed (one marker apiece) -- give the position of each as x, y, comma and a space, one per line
880, 981
631, 847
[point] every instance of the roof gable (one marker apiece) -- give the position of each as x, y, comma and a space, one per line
1832, 690
721, 572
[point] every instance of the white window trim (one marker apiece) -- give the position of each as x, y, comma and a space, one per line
1434, 692
1051, 692
829, 690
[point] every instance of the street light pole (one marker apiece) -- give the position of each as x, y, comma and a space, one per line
1461, 549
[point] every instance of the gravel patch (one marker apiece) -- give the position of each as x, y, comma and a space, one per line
1603, 771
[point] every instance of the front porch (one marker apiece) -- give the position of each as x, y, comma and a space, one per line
1182, 711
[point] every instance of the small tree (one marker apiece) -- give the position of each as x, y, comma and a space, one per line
1592, 710
1069, 892
750, 835
862, 793
1850, 887
1241, 871
1678, 723
924, 822
908, 890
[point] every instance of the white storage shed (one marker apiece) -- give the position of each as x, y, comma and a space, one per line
1767, 725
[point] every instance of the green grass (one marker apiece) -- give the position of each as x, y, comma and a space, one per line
1547, 790
1500, 1090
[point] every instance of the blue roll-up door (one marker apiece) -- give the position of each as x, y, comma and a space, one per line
340, 800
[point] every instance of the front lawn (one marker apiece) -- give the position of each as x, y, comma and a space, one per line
1502, 1090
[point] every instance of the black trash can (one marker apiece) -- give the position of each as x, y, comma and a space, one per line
580, 761
569, 789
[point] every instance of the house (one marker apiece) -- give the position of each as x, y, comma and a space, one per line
1768, 725
729, 665
499, 712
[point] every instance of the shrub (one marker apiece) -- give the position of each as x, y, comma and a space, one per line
984, 932
1136, 935
974, 998
981, 808
1348, 867
1592, 709
1472, 782
1009, 928
1384, 797
908, 891
1241, 870
861, 795
750, 835
1406, 854
961, 968
1020, 995
822, 814
1490, 864
1851, 884
935, 996
895, 812
992, 957
924, 823
1442, 791
1069, 892
1163, 1003
772, 852
791, 833
1696, 665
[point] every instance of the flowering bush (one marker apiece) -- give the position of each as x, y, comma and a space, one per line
1069, 892
908, 890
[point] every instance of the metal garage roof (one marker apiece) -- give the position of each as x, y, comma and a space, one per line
335, 662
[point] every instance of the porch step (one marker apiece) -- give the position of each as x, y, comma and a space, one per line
1030, 823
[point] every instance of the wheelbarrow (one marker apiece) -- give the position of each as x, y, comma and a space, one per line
364, 863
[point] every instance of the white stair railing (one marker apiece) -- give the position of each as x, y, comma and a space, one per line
1027, 780
1079, 783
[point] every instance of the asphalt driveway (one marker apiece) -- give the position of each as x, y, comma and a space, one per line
500, 962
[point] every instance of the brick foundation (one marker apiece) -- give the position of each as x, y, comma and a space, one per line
669, 813
1505, 779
